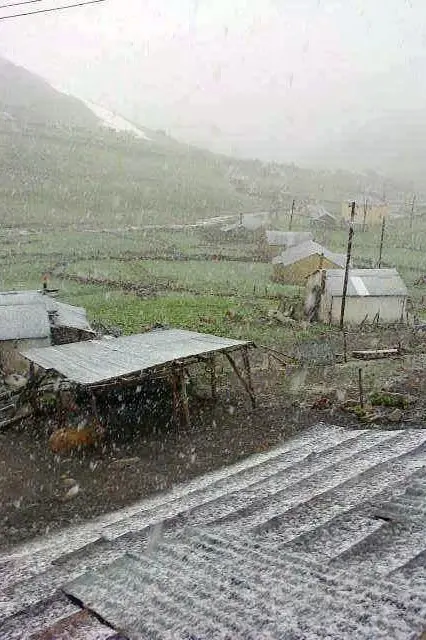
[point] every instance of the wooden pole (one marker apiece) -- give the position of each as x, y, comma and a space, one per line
382, 235
348, 262
213, 383
241, 379
361, 390
184, 399
364, 221
345, 346
291, 214
175, 398
412, 211
247, 367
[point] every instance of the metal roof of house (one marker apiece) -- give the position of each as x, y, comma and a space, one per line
67, 315
319, 212
24, 322
287, 238
57, 313
306, 250
366, 282
322, 537
96, 361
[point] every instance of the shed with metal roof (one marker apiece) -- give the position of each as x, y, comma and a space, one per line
373, 295
297, 263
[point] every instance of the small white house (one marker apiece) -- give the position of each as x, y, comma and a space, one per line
377, 295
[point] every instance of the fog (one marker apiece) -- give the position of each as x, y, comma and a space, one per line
314, 82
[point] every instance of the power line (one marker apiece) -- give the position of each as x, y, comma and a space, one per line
17, 4
67, 6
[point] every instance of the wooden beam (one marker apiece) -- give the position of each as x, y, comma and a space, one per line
184, 400
241, 378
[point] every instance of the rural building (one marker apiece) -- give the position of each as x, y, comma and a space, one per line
97, 367
33, 319
371, 209
248, 222
299, 262
320, 216
272, 243
322, 537
373, 295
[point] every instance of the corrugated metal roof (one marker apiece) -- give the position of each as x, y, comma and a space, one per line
96, 361
366, 282
287, 238
66, 315
319, 212
61, 314
11, 298
305, 250
322, 537
22, 322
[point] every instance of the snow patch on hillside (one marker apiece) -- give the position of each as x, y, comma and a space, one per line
114, 121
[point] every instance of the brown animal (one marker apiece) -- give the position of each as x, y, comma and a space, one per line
63, 441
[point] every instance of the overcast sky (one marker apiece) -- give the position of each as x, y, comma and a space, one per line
277, 78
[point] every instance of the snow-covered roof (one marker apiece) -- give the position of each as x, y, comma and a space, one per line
287, 238
32, 314
366, 282
307, 249
95, 361
322, 537
24, 322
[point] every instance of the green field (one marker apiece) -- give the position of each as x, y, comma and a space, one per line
226, 297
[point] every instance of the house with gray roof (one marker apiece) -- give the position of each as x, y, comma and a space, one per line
272, 242
320, 538
33, 319
373, 295
299, 262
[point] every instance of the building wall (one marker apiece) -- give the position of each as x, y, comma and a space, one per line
392, 309
298, 272
375, 213
10, 359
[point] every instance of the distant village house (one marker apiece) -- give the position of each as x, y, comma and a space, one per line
299, 262
369, 210
273, 243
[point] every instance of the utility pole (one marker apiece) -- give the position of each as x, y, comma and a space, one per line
412, 211
291, 214
348, 262
379, 264
364, 221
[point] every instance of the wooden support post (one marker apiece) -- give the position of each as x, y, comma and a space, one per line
213, 383
361, 390
345, 346
95, 413
185, 421
241, 378
60, 411
247, 367
175, 398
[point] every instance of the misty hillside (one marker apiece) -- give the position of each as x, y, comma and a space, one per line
61, 166
28, 99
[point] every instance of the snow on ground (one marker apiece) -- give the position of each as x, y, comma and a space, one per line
115, 121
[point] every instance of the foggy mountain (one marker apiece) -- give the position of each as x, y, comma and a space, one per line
67, 162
